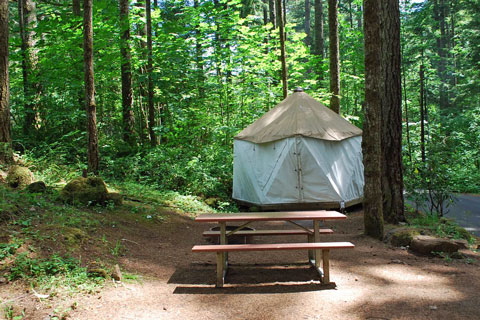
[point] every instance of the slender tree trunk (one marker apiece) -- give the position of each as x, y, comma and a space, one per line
151, 107
283, 58
319, 45
319, 42
334, 56
76, 7
372, 127
409, 145
422, 114
27, 23
91, 108
439, 16
265, 11
142, 32
307, 24
6, 155
126, 70
272, 13
391, 99
199, 58
404, 87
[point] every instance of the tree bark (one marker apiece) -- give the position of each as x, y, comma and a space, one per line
27, 23
283, 58
307, 23
422, 114
439, 17
372, 126
334, 56
6, 155
76, 7
199, 57
91, 108
142, 32
265, 11
319, 45
126, 73
151, 107
272, 13
391, 100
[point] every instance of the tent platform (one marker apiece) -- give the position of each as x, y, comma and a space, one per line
299, 206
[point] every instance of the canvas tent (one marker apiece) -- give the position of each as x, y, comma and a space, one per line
298, 155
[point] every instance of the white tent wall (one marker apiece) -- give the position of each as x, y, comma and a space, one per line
341, 162
298, 170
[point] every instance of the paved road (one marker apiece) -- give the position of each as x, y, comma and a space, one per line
466, 211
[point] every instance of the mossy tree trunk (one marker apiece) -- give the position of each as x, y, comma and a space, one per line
6, 155
27, 23
151, 108
91, 107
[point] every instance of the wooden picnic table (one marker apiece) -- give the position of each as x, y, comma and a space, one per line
289, 216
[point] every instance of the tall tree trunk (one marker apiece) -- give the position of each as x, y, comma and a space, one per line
6, 155
334, 56
142, 32
199, 57
372, 126
272, 13
76, 7
126, 70
391, 99
91, 108
307, 24
151, 107
27, 23
283, 57
405, 101
319, 42
265, 11
422, 113
439, 16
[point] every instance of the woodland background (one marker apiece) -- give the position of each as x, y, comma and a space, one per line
204, 70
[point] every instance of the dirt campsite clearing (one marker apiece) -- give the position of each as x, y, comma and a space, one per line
373, 281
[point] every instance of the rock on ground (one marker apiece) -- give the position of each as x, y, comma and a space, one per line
86, 191
19, 177
429, 245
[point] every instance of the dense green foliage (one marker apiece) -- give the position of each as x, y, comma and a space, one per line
216, 70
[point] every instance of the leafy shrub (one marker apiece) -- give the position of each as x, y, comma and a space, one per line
205, 172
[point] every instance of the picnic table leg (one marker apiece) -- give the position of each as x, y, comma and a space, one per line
316, 238
220, 270
326, 266
310, 252
223, 240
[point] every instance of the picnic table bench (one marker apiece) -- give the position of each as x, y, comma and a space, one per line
314, 246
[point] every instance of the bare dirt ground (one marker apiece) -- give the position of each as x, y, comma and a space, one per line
374, 281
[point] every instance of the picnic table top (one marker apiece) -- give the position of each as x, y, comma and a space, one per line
272, 216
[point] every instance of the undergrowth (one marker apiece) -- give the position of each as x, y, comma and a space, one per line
439, 226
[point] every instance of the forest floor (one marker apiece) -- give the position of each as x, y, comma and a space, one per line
374, 280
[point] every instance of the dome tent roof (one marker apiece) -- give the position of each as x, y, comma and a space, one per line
299, 114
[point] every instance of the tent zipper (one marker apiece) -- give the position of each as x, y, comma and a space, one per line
299, 170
